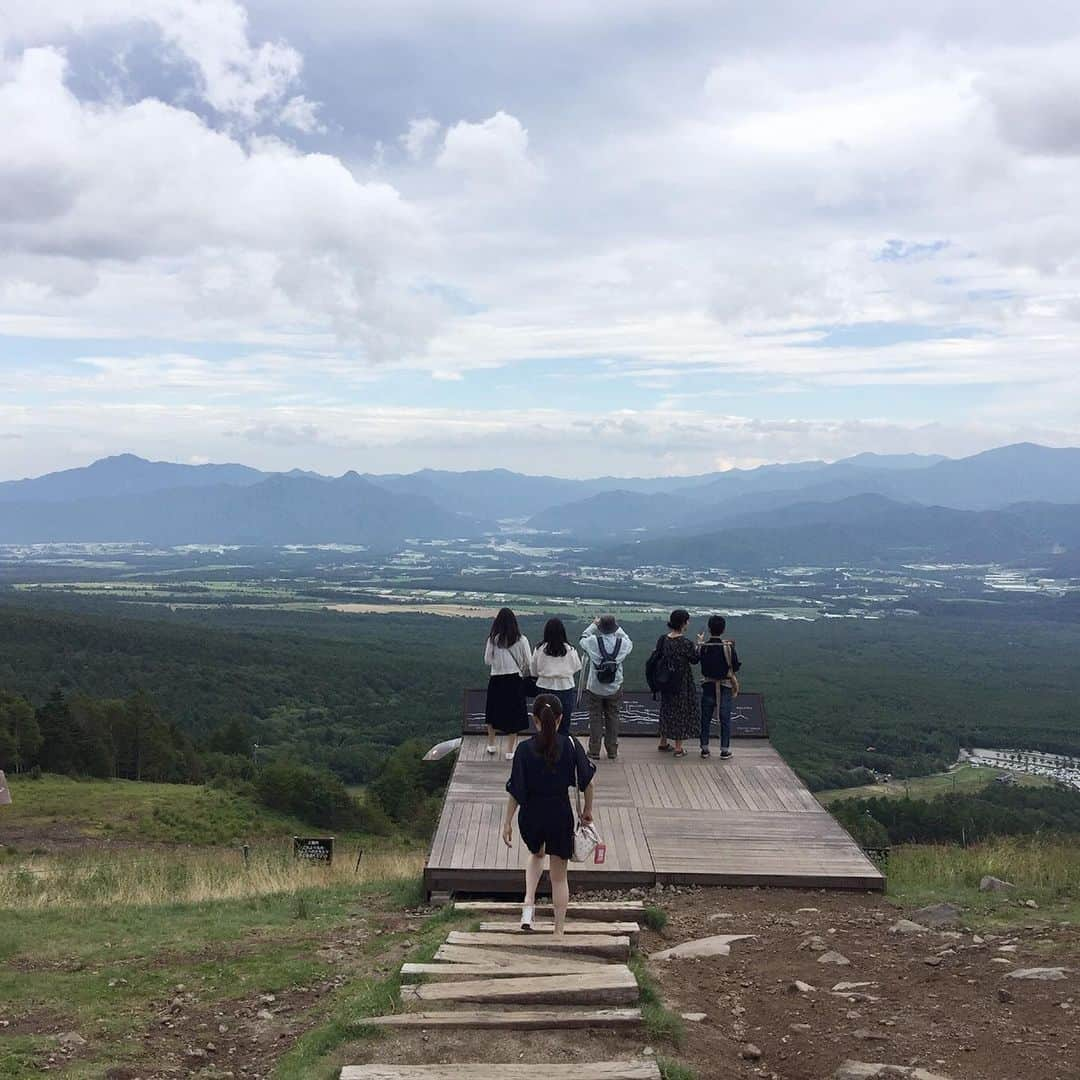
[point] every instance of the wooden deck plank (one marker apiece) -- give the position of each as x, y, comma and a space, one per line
514, 1020
600, 910
582, 1070
476, 956
578, 926
531, 966
610, 984
607, 945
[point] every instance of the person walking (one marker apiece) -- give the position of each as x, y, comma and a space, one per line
607, 646
554, 664
719, 684
545, 768
508, 655
680, 717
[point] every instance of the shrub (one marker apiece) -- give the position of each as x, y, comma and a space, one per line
315, 797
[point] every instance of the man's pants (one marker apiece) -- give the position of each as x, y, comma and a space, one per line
708, 707
604, 721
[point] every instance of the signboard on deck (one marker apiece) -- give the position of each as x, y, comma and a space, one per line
640, 715
314, 848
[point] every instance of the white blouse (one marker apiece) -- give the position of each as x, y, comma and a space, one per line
555, 672
512, 661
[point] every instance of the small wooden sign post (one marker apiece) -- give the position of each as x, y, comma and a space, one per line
314, 848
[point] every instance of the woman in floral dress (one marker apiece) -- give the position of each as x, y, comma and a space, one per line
680, 709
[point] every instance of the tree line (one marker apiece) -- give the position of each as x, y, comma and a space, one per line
340, 692
128, 739
125, 738
961, 818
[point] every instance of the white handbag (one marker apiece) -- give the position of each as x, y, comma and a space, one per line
586, 838
586, 841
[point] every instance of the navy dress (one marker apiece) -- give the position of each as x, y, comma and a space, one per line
545, 816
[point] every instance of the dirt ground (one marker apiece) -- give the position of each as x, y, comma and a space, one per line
945, 1015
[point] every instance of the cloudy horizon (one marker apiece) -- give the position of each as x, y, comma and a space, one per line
667, 238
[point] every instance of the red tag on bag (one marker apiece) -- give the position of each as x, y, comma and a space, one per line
600, 854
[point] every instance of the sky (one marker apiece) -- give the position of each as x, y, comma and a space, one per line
591, 238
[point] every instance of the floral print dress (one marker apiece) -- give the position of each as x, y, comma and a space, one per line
680, 709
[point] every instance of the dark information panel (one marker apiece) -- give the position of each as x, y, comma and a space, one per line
314, 848
640, 715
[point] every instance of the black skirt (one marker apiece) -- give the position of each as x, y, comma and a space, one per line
506, 710
548, 825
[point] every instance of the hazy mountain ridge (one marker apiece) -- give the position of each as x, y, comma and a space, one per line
868, 530
277, 510
864, 508
125, 474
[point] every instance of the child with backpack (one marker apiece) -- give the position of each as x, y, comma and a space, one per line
719, 684
607, 646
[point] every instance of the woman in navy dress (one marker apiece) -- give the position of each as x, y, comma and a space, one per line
545, 768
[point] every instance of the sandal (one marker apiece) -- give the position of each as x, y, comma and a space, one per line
679, 753
664, 748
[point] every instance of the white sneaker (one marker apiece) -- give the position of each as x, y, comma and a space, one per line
527, 913
509, 756
490, 749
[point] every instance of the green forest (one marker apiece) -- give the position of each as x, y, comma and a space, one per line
180, 691
997, 810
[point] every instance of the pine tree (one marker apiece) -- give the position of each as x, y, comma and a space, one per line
20, 736
59, 752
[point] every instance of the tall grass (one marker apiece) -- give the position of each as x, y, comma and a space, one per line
1049, 864
182, 876
1046, 870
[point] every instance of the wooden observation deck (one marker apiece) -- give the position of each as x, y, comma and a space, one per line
747, 820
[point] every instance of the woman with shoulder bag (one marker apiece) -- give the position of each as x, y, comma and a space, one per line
508, 655
545, 768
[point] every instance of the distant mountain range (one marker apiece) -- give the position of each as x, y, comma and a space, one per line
1013, 502
276, 509
867, 530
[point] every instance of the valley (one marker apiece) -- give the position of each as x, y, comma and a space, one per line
474, 578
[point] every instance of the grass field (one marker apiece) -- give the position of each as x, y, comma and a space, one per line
1044, 870
154, 951
142, 812
964, 778
124, 976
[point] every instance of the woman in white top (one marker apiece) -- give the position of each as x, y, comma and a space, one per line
554, 663
507, 653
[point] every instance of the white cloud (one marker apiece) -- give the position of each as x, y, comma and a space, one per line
718, 185
419, 134
140, 212
301, 114
235, 76
493, 152
333, 439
